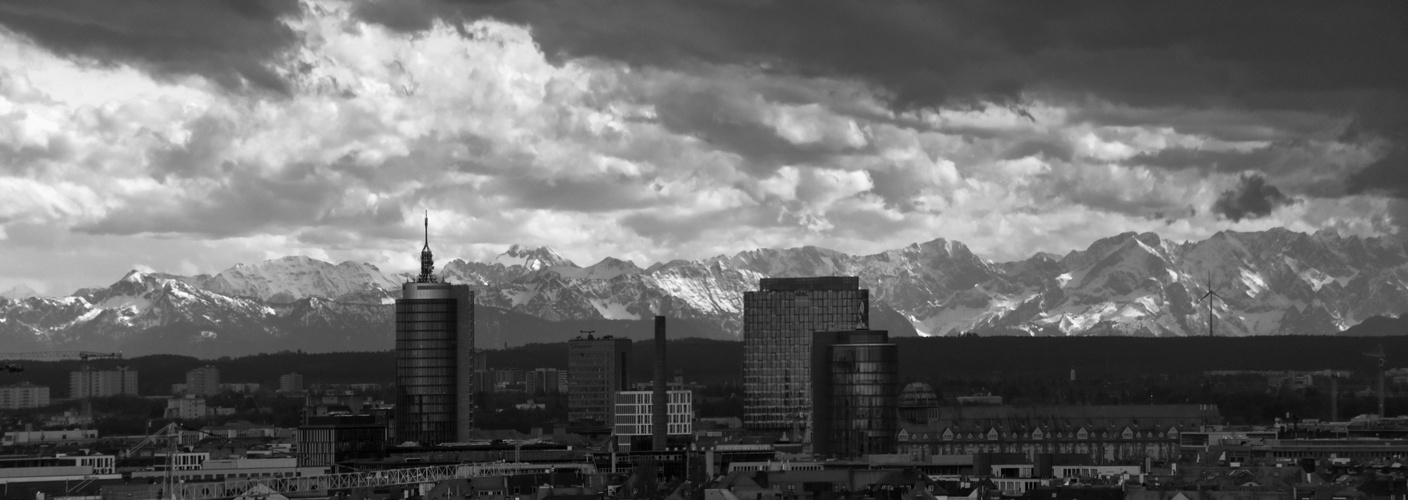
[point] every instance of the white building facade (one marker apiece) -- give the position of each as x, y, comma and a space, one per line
634, 413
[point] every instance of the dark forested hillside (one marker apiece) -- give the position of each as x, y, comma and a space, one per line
700, 360
938, 356
157, 373
718, 361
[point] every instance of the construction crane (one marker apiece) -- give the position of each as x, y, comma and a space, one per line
518, 447
171, 432
167, 431
54, 356
247, 487
58, 355
1379, 354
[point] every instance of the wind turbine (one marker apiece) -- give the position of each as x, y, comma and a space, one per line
1208, 296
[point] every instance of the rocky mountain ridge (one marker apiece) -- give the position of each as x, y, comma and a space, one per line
1275, 282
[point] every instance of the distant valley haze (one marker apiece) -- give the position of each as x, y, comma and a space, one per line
265, 167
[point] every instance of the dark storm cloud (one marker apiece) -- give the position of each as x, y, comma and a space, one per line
1043, 147
897, 188
1307, 168
1204, 54
1208, 160
1252, 198
728, 123
228, 41
906, 46
1226, 124
1244, 71
1388, 175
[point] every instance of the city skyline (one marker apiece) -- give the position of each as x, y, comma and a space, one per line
189, 137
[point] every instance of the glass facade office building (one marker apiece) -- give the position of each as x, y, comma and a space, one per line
434, 363
778, 322
856, 393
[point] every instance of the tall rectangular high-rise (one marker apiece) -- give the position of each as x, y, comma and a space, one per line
778, 322
597, 368
661, 399
292, 382
434, 358
102, 383
204, 381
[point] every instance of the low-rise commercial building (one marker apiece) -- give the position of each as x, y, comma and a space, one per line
331, 440
186, 408
12, 438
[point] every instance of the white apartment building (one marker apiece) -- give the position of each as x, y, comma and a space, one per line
23, 395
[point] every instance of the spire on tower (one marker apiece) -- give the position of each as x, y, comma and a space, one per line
427, 261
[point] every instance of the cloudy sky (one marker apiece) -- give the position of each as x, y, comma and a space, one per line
186, 136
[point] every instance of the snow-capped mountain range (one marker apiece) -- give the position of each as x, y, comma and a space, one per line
1272, 282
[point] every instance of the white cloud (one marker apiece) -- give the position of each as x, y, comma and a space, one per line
593, 157
813, 124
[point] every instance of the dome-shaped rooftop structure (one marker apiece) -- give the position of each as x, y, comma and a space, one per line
918, 395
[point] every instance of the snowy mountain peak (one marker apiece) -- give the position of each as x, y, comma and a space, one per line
296, 277
20, 291
612, 267
1046, 256
532, 258
947, 246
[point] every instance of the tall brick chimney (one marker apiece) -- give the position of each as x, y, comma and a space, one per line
661, 397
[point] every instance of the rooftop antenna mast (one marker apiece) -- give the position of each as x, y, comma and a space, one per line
1209, 296
427, 261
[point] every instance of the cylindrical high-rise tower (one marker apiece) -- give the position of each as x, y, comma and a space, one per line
434, 359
